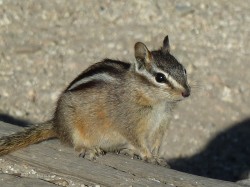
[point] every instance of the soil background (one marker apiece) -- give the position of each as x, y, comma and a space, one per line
45, 44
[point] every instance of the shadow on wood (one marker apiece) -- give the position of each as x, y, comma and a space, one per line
14, 121
226, 157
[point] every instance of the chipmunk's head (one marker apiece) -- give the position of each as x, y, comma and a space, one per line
167, 77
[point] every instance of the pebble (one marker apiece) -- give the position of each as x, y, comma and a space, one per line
227, 94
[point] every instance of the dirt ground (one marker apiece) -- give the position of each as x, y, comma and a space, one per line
45, 44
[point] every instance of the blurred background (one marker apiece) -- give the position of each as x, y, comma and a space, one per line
45, 44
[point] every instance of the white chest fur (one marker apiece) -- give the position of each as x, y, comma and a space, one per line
160, 115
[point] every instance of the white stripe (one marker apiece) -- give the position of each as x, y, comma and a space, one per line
174, 82
100, 76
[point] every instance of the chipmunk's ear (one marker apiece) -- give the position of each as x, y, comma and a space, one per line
166, 47
142, 54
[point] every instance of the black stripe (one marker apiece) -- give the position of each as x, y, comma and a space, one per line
87, 85
90, 72
108, 66
121, 64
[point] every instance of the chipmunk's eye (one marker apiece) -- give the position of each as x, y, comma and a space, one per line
185, 71
159, 77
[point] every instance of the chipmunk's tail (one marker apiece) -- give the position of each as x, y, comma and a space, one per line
31, 135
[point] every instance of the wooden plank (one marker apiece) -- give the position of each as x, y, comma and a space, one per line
72, 168
245, 182
59, 164
7, 180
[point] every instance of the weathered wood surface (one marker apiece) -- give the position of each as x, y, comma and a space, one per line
12, 180
50, 164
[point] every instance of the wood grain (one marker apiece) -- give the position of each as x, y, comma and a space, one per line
55, 164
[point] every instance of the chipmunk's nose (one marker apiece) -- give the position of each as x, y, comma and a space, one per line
186, 93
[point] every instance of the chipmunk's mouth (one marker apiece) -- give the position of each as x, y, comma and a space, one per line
182, 96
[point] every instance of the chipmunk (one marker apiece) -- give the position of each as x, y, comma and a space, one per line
115, 106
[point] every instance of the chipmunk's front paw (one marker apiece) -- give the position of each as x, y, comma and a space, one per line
157, 161
99, 152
